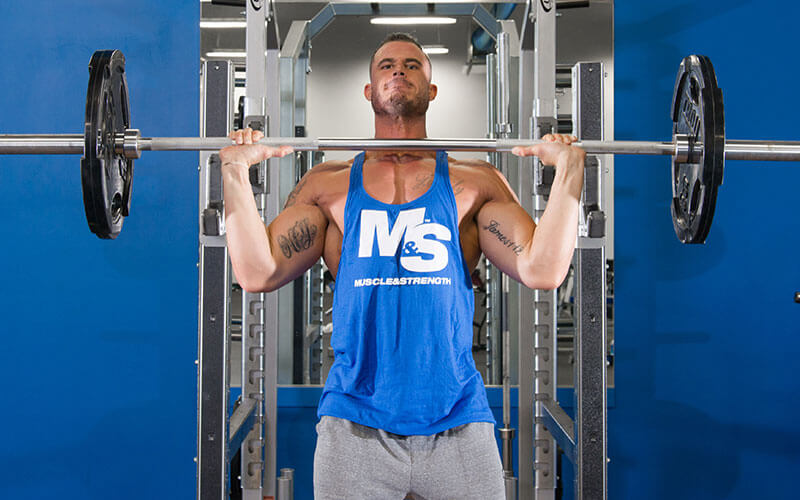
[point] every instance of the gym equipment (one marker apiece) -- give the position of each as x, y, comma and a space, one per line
697, 113
698, 147
106, 177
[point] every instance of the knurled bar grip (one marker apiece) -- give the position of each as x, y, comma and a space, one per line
74, 144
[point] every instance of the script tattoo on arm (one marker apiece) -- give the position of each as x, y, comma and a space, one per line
292, 198
493, 228
299, 237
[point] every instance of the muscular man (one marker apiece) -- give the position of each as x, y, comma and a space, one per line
404, 410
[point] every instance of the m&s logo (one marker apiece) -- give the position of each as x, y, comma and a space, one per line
422, 250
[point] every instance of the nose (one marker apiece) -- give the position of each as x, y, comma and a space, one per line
399, 71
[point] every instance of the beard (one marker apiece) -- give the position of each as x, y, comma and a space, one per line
400, 104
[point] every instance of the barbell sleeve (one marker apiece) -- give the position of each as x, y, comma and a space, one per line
53, 144
762, 150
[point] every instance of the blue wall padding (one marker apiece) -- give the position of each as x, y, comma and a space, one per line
98, 338
707, 336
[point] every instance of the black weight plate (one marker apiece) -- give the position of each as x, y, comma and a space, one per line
697, 112
106, 176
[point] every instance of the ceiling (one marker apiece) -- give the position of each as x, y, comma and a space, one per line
233, 39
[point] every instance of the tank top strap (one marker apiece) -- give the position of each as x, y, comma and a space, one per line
442, 169
357, 173
355, 189
443, 184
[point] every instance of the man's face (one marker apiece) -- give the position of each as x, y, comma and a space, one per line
400, 81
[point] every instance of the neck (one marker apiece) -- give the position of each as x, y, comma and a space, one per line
400, 127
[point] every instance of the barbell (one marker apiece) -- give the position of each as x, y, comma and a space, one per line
698, 147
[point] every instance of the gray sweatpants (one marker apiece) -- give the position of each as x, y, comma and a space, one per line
355, 462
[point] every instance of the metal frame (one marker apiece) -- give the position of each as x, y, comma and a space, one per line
221, 432
499, 288
262, 111
584, 439
537, 374
479, 13
256, 411
590, 297
252, 421
214, 281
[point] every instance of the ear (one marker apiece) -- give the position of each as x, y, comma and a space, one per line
433, 90
368, 92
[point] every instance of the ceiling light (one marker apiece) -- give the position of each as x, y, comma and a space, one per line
223, 24
225, 54
435, 49
413, 20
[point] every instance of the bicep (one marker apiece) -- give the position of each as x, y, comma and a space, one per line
505, 231
297, 238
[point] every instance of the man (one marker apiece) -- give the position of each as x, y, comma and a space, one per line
404, 410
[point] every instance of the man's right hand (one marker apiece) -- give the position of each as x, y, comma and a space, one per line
555, 150
245, 152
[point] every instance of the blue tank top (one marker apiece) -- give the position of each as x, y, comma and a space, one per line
403, 308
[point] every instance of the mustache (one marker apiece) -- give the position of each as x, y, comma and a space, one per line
398, 80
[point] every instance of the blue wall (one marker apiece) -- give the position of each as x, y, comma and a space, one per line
707, 336
99, 338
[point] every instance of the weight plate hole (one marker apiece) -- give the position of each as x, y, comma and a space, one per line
116, 207
697, 191
124, 98
694, 90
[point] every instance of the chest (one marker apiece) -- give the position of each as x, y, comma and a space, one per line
395, 187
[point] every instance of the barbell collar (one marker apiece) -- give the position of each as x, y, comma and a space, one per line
683, 149
130, 144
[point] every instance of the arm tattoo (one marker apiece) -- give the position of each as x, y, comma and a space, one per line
493, 228
299, 237
292, 198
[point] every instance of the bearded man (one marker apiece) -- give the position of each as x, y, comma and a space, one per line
404, 411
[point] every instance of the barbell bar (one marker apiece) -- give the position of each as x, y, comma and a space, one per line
109, 145
130, 145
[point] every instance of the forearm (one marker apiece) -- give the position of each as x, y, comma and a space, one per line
248, 241
549, 252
